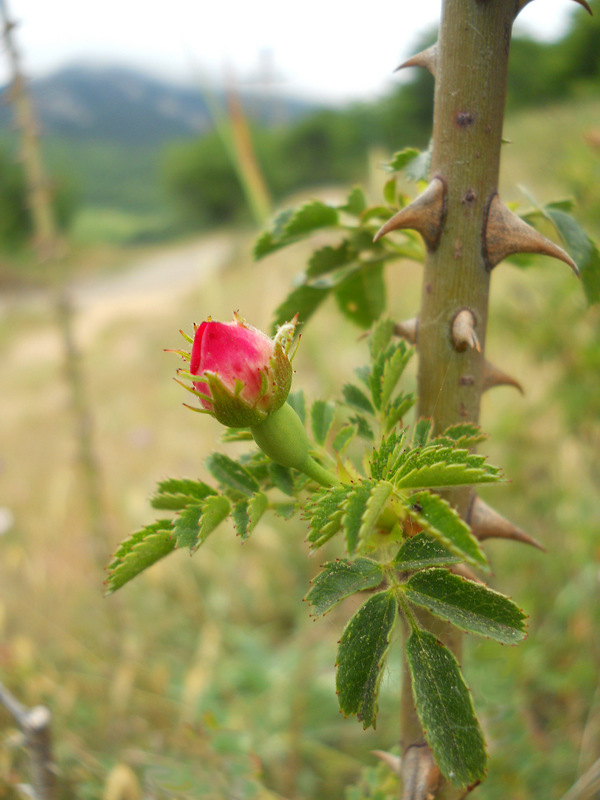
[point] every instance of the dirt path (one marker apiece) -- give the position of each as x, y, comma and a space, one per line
156, 281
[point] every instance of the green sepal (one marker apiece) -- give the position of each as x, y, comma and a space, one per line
445, 709
361, 655
340, 579
138, 552
472, 607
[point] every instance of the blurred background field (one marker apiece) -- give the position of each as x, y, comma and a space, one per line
206, 676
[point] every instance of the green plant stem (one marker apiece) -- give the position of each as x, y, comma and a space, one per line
322, 476
471, 73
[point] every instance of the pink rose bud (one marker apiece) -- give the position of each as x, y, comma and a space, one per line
244, 376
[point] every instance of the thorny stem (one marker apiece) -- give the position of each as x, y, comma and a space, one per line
471, 72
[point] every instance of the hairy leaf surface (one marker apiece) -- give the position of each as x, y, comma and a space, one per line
439, 519
361, 654
473, 607
340, 579
444, 707
138, 552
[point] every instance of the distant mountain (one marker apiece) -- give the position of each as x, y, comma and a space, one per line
125, 106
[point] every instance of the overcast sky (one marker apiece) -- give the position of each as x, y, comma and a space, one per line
327, 49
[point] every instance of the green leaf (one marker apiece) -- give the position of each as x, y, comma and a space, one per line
473, 607
437, 466
272, 240
397, 409
175, 494
422, 551
248, 512
363, 427
422, 432
304, 301
392, 371
325, 514
363, 504
389, 191
281, 477
230, 474
419, 167
310, 217
340, 579
356, 202
444, 707
195, 523
321, 419
439, 519
343, 438
298, 402
384, 461
328, 258
138, 552
402, 158
381, 336
361, 297
361, 655
583, 250
463, 434
356, 398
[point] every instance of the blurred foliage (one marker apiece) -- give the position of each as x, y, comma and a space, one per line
15, 219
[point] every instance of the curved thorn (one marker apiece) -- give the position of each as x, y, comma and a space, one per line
425, 214
492, 376
586, 6
507, 234
426, 59
408, 329
421, 776
392, 761
466, 572
486, 523
463, 331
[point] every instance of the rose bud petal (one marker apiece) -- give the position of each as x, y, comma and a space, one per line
244, 375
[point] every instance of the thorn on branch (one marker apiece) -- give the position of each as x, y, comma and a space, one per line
409, 330
486, 523
492, 376
586, 6
507, 234
463, 331
425, 214
421, 776
392, 761
426, 59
